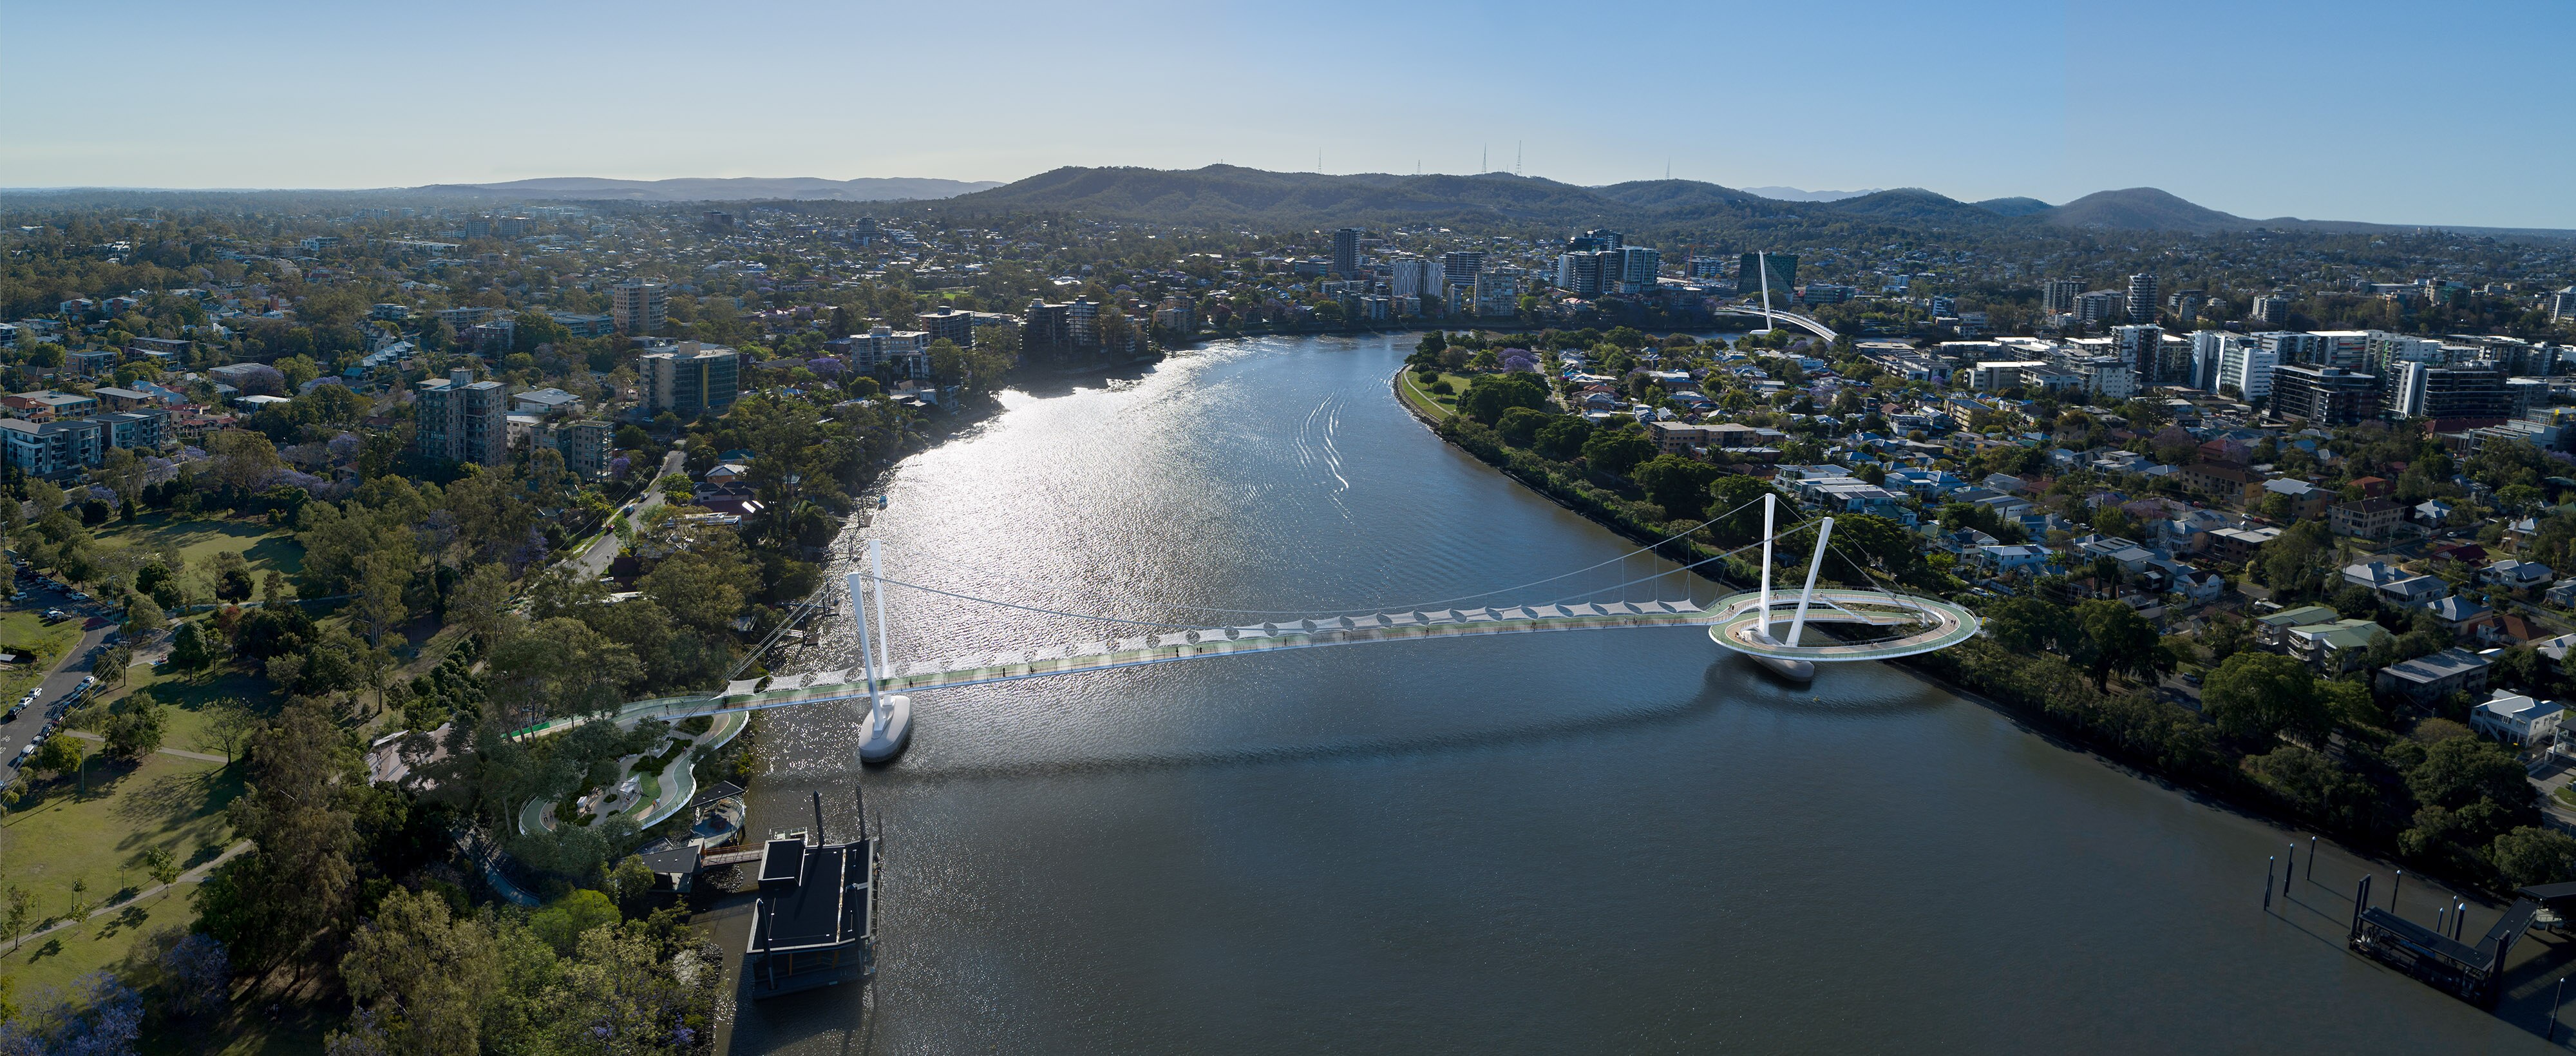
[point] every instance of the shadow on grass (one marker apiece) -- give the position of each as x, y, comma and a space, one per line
130, 918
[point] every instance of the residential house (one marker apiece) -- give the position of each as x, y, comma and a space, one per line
1677, 438
2000, 559
2562, 593
2235, 546
2306, 500
2334, 647
2512, 574
2373, 574
2459, 614
2227, 481
2367, 518
545, 402
2273, 629
2131, 557
2517, 719
2430, 678
2415, 591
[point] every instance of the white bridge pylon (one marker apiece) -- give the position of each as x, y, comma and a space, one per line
1746, 622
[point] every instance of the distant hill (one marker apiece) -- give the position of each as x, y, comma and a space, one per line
798, 188
1233, 194
1675, 194
1792, 194
1915, 204
2012, 206
2143, 209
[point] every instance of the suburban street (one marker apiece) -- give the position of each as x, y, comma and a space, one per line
67, 672
594, 560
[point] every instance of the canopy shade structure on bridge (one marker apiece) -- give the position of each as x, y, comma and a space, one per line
1738, 622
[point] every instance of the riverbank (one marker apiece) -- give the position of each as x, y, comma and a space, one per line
2133, 729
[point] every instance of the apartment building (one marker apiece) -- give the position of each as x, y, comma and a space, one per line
638, 306
690, 379
459, 419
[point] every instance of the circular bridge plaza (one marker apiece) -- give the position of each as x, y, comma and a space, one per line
1924, 624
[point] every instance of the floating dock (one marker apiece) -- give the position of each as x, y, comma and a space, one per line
814, 922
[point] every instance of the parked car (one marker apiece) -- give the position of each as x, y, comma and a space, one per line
52, 615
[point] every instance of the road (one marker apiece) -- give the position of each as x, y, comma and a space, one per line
67, 671
594, 560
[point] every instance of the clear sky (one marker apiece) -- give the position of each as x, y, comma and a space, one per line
2358, 110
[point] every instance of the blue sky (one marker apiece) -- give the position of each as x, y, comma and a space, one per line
2359, 110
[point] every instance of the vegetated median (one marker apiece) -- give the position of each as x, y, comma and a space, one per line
2305, 751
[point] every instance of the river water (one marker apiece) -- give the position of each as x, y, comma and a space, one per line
1610, 841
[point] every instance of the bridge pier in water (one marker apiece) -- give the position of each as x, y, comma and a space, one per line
889, 715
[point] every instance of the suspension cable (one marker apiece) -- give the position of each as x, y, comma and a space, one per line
1418, 606
1186, 626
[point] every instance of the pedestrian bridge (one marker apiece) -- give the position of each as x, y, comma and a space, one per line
1744, 622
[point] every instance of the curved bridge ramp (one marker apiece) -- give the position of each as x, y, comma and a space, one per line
1735, 620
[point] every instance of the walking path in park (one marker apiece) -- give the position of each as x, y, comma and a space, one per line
193, 876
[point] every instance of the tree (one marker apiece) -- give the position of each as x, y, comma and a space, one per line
423, 974
1488, 396
163, 867
100, 1016
1615, 451
1562, 438
2260, 696
630, 881
22, 908
563, 923
626, 990
232, 576
1679, 485
135, 733
379, 604
191, 649
2116, 638
291, 894
58, 756
231, 727
2459, 772
1519, 426
1738, 499
2225, 638
2025, 626
111, 664
241, 459
143, 615
480, 603
560, 666
2528, 856
703, 588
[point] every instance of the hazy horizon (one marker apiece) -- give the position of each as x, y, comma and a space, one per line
1983, 100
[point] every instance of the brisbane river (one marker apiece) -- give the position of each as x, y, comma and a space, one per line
1592, 841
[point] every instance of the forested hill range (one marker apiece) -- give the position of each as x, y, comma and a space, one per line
1233, 194
734, 189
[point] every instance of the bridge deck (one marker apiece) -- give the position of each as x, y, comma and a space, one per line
1832, 606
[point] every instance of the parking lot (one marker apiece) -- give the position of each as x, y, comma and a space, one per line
69, 676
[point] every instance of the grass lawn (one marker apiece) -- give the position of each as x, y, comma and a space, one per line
1436, 405
264, 546
190, 702
22, 631
100, 837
